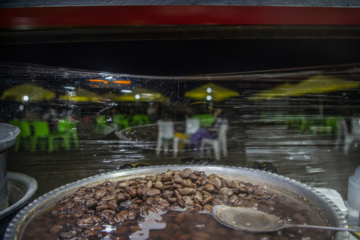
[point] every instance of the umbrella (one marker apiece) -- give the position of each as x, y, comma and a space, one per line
277, 92
27, 93
80, 95
312, 85
321, 84
110, 96
141, 95
210, 92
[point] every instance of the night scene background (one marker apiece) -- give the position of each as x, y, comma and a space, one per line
295, 134
93, 79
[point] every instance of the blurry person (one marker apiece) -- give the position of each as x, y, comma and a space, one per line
153, 111
209, 133
189, 113
31, 114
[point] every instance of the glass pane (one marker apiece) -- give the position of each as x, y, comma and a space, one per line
100, 121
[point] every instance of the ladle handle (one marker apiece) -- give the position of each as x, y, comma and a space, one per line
354, 229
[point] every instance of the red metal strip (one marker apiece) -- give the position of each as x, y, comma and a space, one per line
24, 18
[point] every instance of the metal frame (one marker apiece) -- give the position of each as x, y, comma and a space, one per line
295, 3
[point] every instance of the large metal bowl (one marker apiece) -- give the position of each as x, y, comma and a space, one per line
318, 202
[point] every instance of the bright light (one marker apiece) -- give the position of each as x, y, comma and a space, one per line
26, 98
127, 82
98, 80
208, 97
69, 88
72, 93
109, 77
126, 91
137, 96
209, 89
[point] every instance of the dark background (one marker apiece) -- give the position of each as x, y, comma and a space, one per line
186, 57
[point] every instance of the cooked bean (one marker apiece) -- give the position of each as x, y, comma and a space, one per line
149, 184
198, 197
107, 213
153, 178
169, 187
56, 228
204, 181
177, 179
159, 185
122, 216
85, 222
132, 215
102, 207
186, 191
150, 201
96, 228
209, 188
121, 197
67, 234
152, 192
181, 202
133, 182
185, 173
226, 191
207, 200
168, 183
167, 176
131, 191
193, 177
187, 183
177, 194
168, 193
208, 207
233, 199
216, 182
171, 199
188, 201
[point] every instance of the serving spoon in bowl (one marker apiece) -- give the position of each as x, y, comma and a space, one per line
252, 220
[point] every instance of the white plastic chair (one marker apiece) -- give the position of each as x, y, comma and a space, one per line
191, 126
355, 125
219, 144
349, 137
166, 134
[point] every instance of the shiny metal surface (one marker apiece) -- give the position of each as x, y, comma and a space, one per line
259, 221
3, 182
8, 134
307, 3
21, 188
316, 200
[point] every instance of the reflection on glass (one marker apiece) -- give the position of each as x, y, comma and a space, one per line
86, 123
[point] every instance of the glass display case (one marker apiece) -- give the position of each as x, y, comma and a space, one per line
110, 86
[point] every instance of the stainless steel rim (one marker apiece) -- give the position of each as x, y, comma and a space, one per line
324, 204
29, 183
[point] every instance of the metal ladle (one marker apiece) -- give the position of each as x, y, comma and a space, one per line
252, 220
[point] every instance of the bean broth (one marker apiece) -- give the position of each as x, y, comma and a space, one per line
171, 205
